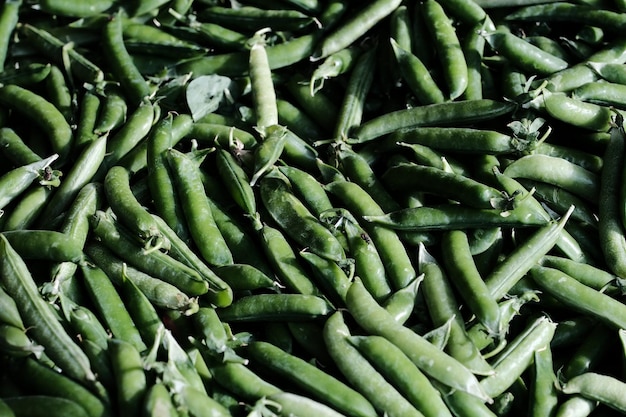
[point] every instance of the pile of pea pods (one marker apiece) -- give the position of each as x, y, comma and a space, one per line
312, 208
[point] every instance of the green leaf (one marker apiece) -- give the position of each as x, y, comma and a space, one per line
205, 93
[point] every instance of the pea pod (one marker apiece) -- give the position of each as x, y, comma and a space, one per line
17, 180
321, 385
433, 362
297, 221
263, 307
36, 313
606, 389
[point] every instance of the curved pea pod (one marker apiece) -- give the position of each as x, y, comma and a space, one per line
263, 307
571, 110
417, 76
578, 296
557, 171
357, 25
432, 361
236, 181
197, 211
43, 114
155, 263
130, 376
158, 402
9, 314
524, 55
14, 342
611, 72
394, 365
267, 153
283, 258
360, 373
458, 139
332, 280
307, 188
295, 219
438, 114
333, 66
242, 277
45, 244
17, 180
46, 329
518, 355
319, 384
401, 303
449, 185
392, 251
602, 92
43, 380
289, 404
606, 389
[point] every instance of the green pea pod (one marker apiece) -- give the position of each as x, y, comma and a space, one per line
263, 307
261, 84
9, 314
267, 153
393, 253
521, 260
518, 355
198, 215
438, 114
443, 309
15, 149
17, 180
578, 296
129, 211
360, 373
401, 303
446, 43
55, 49
331, 278
394, 365
43, 114
130, 377
296, 220
285, 262
155, 263
121, 64
242, 277
158, 402
81, 173
236, 181
319, 384
45, 245
44, 405
432, 361
14, 342
303, 405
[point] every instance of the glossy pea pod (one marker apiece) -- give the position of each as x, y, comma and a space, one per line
523, 258
43, 405
9, 17
121, 64
160, 293
82, 172
15, 149
253, 18
45, 244
130, 376
357, 25
296, 221
333, 66
443, 114
605, 389
610, 227
261, 84
236, 181
432, 361
268, 306
269, 151
556, 171
160, 182
465, 190
446, 43
304, 406
321, 385
578, 296
286, 263
197, 211
332, 280
360, 373
353, 103
129, 211
443, 310
465, 276
395, 366
46, 328
392, 251
54, 48
111, 306
518, 355
26, 211
43, 114
155, 263
113, 111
